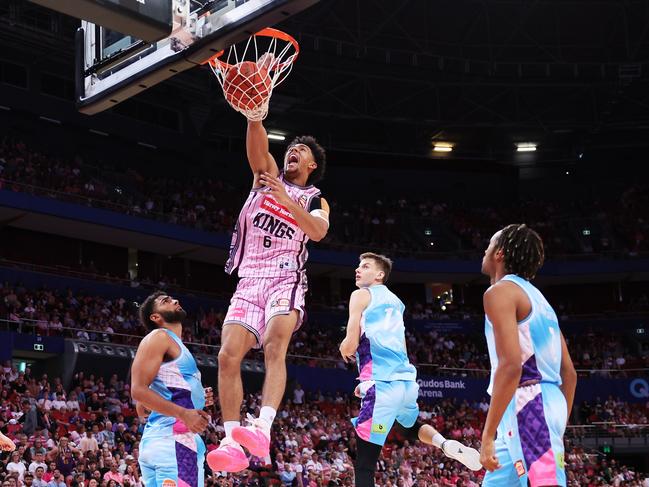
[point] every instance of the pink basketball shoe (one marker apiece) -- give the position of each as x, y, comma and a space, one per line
255, 437
228, 457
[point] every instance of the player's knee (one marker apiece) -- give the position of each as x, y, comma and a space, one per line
411, 433
228, 360
274, 350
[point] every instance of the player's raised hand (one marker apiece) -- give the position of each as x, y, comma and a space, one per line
348, 350
488, 457
195, 420
209, 397
277, 189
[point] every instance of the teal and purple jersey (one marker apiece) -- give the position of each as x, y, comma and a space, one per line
539, 337
529, 442
170, 454
381, 353
388, 386
178, 381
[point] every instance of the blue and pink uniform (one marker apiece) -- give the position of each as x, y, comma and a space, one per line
529, 442
170, 454
388, 385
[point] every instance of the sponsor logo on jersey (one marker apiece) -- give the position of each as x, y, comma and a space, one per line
270, 205
520, 468
168, 483
237, 312
282, 302
379, 428
302, 201
288, 266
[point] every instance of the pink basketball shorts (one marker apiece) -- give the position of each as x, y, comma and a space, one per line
257, 300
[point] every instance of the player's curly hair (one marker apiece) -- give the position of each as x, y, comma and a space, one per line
319, 156
146, 309
523, 250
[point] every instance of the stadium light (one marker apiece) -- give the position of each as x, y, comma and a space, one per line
442, 147
525, 147
274, 136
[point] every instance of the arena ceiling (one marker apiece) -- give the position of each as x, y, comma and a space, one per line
392, 76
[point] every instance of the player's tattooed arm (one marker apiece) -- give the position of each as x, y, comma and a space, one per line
358, 302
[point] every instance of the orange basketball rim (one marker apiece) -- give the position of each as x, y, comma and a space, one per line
273, 52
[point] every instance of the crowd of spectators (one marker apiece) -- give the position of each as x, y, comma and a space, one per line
95, 318
579, 227
87, 435
201, 203
617, 417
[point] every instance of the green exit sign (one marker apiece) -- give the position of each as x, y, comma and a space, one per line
606, 449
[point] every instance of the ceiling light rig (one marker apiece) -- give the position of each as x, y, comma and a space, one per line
442, 147
525, 147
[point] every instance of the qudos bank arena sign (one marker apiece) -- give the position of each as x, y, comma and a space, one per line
436, 388
442, 388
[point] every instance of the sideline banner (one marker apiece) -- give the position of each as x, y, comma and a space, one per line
437, 388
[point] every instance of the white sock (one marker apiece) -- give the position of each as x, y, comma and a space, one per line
438, 439
268, 414
229, 426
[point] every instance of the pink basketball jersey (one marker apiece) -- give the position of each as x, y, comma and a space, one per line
267, 242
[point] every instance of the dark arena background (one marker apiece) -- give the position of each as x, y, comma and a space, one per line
443, 121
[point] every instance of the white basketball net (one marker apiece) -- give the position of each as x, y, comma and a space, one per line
248, 78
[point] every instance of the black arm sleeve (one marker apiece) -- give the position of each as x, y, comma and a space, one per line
315, 204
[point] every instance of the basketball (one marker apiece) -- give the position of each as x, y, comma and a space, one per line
247, 85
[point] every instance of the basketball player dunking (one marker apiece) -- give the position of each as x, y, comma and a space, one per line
282, 213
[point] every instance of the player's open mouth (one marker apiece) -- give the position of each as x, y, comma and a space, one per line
293, 158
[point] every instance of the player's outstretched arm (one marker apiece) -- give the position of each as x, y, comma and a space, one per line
500, 307
146, 364
358, 302
568, 376
259, 156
